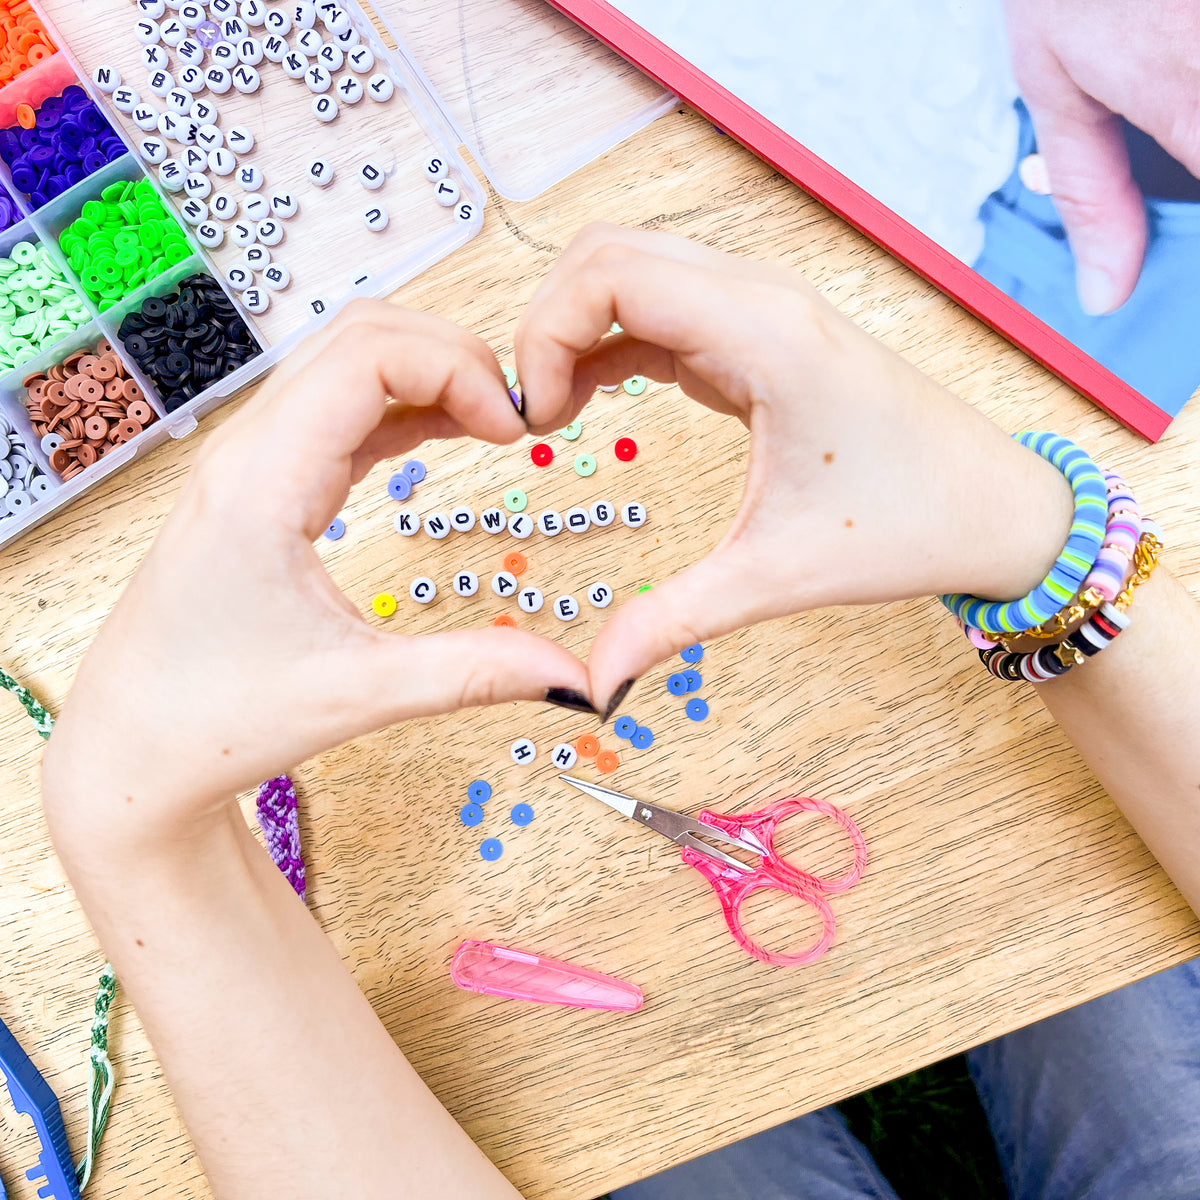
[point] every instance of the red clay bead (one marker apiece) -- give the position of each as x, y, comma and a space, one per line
542, 455
626, 449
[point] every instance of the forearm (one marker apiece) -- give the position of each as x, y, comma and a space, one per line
1133, 712
287, 1081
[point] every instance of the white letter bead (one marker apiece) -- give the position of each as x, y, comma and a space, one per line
330, 57
550, 522
151, 8
603, 513
269, 232
304, 14
191, 14
145, 117
278, 21
407, 521
191, 78
106, 79
462, 518
422, 589
154, 58
204, 112
190, 52
464, 211
349, 89
275, 48
257, 300
223, 206
338, 21
564, 756
371, 176
239, 278
209, 235
153, 150
446, 193
238, 138
253, 12
179, 100
380, 87
173, 32
324, 108
218, 80
277, 277
171, 175
320, 172
318, 306
221, 9
599, 595
250, 178
241, 233
491, 520
436, 169
198, 186
250, 51
530, 599
347, 40
245, 79
437, 525
170, 125
294, 65
522, 751
209, 138
284, 204
566, 608
504, 583
633, 514
308, 42
317, 79
222, 162
360, 59
194, 160
376, 219
147, 32
256, 207
256, 257
224, 53
519, 525
466, 583
125, 99
578, 520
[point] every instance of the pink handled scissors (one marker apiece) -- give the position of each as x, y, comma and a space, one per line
734, 880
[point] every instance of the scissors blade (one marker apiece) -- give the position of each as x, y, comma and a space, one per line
675, 826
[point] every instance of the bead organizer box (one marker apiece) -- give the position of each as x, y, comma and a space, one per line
301, 161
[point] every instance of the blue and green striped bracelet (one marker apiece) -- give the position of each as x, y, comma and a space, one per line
1076, 559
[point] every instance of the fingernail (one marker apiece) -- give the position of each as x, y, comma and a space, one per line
569, 698
1097, 290
617, 697
518, 400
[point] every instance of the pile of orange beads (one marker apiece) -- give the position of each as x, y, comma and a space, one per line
23, 41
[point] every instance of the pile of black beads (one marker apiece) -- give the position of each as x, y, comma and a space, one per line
187, 340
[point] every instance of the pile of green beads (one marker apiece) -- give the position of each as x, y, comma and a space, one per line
121, 240
37, 304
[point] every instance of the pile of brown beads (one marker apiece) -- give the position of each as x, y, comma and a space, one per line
84, 407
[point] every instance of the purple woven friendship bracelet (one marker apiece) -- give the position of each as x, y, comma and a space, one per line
279, 820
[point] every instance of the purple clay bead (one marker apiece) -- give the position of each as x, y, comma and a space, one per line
208, 33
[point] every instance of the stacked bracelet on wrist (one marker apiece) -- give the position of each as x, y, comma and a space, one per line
1104, 567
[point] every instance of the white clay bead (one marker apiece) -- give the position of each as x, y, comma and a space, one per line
241, 233
320, 172
371, 176
603, 513
193, 210
349, 89
376, 219
277, 277
520, 525
491, 520
522, 751
407, 521
249, 177
380, 87
578, 520
106, 79
550, 522
256, 207
239, 278
256, 257
599, 595
436, 169
462, 518
145, 117
171, 175
564, 756
437, 525
466, 583
324, 108
246, 79
269, 232
446, 193
284, 205
530, 599
633, 514
360, 59
504, 583
198, 186
257, 300
238, 138
209, 235
566, 608
422, 589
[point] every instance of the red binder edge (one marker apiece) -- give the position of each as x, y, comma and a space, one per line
867, 214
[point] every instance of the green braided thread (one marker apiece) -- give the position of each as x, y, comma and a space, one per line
101, 1076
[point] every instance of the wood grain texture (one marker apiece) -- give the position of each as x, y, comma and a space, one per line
1003, 885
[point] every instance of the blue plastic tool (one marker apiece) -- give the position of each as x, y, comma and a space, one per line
31, 1096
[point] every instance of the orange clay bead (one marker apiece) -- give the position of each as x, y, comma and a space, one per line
607, 762
587, 746
505, 619
26, 117
23, 44
515, 562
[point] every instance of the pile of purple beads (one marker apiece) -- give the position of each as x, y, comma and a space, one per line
69, 141
10, 214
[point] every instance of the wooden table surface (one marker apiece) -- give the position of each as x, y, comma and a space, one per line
1003, 886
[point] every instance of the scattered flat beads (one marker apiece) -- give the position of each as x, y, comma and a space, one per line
625, 727
37, 305
585, 465
635, 385
384, 604
479, 791
587, 746
471, 814
642, 738
607, 762
693, 653
515, 500
571, 432
564, 756
490, 849
521, 814
677, 684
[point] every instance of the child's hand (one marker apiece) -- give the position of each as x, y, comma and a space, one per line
867, 481
232, 655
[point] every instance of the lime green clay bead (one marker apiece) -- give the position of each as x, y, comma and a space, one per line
38, 307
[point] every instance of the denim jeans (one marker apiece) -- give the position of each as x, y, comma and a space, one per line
1102, 1102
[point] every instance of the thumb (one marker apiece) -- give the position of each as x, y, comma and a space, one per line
442, 672
718, 594
1099, 203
